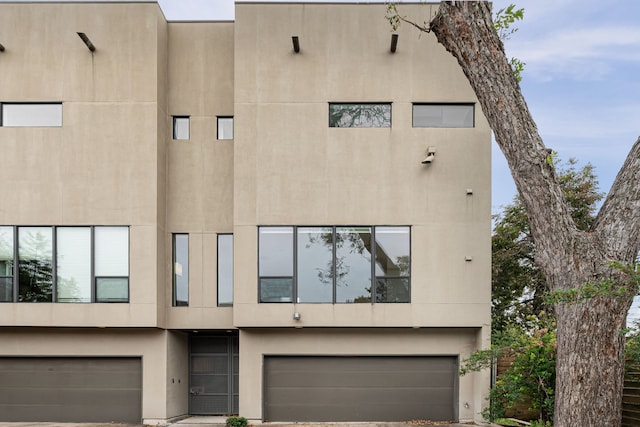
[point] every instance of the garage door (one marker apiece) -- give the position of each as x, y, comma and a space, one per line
302, 388
71, 389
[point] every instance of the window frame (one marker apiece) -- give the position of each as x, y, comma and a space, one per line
174, 257
174, 128
218, 281
384, 126
444, 104
15, 297
32, 103
373, 276
218, 120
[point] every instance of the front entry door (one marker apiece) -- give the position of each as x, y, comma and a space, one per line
213, 375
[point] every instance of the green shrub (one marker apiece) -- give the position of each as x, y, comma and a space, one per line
236, 422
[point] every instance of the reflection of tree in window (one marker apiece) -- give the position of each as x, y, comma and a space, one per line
360, 115
35, 266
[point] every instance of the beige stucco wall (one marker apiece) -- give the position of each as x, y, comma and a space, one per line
200, 170
105, 165
290, 168
177, 374
256, 343
150, 344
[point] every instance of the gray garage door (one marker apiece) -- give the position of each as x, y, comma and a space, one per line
302, 388
71, 389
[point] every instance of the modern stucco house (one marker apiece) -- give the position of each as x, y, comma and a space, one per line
285, 217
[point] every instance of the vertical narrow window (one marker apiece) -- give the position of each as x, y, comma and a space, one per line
6, 264
180, 127
353, 264
392, 264
275, 268
315, 264
443, 115
367, 115
180, 270
225, 127
31, 114
225, 269
73, 264
35, 264
111, 264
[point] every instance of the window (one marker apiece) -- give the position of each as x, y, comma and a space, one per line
365, 115
73, 264
112, 264
225, 269
35, 264
225, 127
6, 264
356, 264
180, 127
180, 270
443, 115
31, 114
64, 264
275, 264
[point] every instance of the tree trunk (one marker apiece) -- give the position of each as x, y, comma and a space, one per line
590, 364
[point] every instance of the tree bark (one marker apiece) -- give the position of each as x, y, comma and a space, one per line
590, 364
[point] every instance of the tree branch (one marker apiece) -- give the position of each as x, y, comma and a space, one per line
466, 30
619, 218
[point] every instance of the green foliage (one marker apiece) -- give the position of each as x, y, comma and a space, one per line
518, 287
236, 422
532, 374
503, 24
504, 18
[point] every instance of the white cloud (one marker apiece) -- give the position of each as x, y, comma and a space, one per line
583, 54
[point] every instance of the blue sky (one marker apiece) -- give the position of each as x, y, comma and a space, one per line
581, 80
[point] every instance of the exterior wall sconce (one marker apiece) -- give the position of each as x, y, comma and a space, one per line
296, 44
469, 191
431, 154
1, 48
86, 41
296, 316
394, 43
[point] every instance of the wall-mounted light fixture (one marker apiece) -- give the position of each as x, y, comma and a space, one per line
86, 41
469, 191
297, 316
1, 48
296, 44
431, 154
394, 43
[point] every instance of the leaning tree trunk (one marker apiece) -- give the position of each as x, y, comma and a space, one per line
590, 364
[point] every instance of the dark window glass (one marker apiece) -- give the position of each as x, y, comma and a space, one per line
315, 264
112, 289
443, 115
180, 270
35, 264
393, 262
353, 115
353, 264
335, 264
275, 264
6, 264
